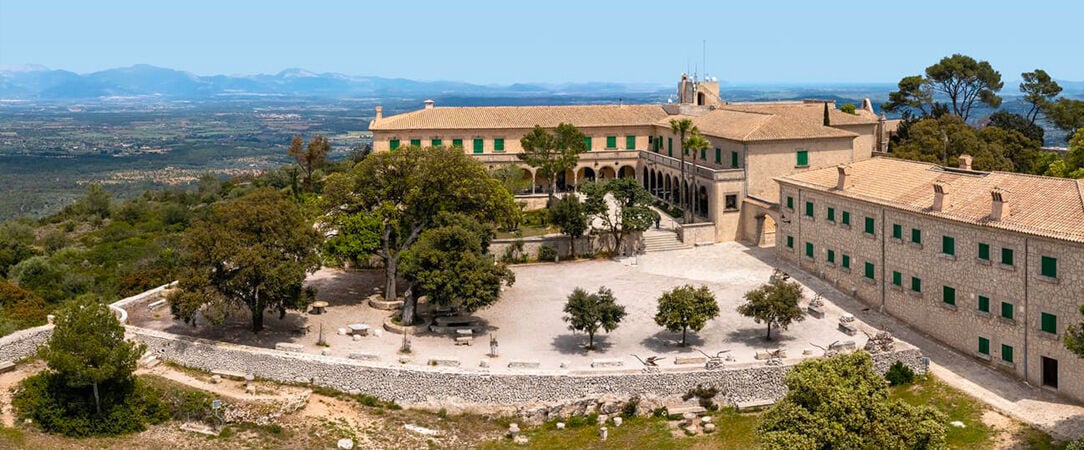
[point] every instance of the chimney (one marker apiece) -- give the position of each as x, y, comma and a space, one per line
1000, 204
379, 112
429, 104
965, 162
940, 196
844, 171
867, 104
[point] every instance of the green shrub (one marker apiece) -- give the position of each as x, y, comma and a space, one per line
847, 108
660, 412
704, 396
899, 374
547, 253
1076, 445
127, 406
629, 410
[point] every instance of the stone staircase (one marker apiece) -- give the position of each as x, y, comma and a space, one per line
661, 241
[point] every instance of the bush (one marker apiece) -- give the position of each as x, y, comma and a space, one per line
547, 253
847, 108
629, 410
127, 406
660, 412
536, 218
899, 374
1076, 445
704, 396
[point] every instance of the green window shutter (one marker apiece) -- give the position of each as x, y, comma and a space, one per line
498, 145
1049, 267
846, 217
733, 159
846, 261
897, 278
869, 270
916, 235
1006, 310
948, 295
916, 284
611, 142
790, 202
984, 346
457, 143
984, 303
831, 214
831, 256
809, 209
948, 245
1049, 323
1006, 256
1006, 353
670, 146
870, 225
704, 154
803, 158
587, 143
809, 250
630, 142
394, 144
478, 146
718, 155
897, 231
436, 142
790, 241
415, 142
984, 251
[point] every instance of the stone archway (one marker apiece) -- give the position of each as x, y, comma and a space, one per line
585, 175
667, 191
606, 173
626, 172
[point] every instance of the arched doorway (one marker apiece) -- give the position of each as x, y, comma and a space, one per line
587, 175
647, 179
606, 173
658, 185
666, 189
626, 172
702, 201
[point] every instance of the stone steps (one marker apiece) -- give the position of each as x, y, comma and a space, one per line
663, 241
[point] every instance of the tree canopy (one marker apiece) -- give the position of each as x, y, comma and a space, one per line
1014, 122
842, 402
944, 139
1039, 89
553, 153
309, 157
253, 251
960, 78
684, 308
1066, 114
621, 205
774, 303
570, 216
587, 312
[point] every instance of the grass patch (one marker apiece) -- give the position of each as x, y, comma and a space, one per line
12, 438
929, 391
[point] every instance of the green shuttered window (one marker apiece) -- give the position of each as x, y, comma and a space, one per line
916, 284
846, 218
718, 155
611, 142
809, 209
1049, 267
790, 241
415, 142
809, 250
984, 251
436, 142
803, 158
869, 270
587, 143
630, 142
1006, 353
948, 245
478, 146
897, 231
734, 159
498, 145
984, 346
790, 202
832, 256
457, 143
846, 261
1006, 310
984, 304
916, 235
897, 278
1049, 323
948, 295
1007, 256
831, 214
870, 225
393, 144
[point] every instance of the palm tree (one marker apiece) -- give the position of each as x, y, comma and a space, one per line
680, 127
696, 143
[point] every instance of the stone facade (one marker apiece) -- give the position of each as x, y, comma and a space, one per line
945, 277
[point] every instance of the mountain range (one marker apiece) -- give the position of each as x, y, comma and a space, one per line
41, 83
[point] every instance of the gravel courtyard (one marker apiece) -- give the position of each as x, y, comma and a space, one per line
528, 323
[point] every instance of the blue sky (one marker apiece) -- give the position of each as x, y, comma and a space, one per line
548, 41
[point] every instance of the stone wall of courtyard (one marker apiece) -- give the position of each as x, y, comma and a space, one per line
461, 386
24, 343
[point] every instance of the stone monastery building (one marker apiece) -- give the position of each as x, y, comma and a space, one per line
990, 263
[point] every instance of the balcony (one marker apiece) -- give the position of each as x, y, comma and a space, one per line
700, 171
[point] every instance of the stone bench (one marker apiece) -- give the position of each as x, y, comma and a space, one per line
816, 312
842, 345
464, 340
684, 360
230, 374
848, 328
7, 366
681, 410
364, 356
464, 332
754, 404
524, 365
600, 363
289, 347
156, 304
444, 362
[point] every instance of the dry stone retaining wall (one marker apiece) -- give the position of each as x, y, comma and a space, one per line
24, 343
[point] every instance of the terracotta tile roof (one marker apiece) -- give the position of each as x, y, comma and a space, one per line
489, 117
1041, 206
772, 121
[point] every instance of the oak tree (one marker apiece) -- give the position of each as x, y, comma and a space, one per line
587, 312
552, 153
309, 157
774, 303
570, 216
621, 205
684, 308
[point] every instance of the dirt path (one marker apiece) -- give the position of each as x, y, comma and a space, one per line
8, 381
226, 388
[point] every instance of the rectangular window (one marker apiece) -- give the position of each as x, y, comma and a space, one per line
415, 142
1049, 323
846, 261
394, 144
670, 146
478, 146
809, 209
984, 346
587, 143
948, 295
1049, 267
869, 270
611, 142
831, 214
916, 235
897, 231
1006, 353
916, 284
1006, 310
1006, 256
790, 202
948, 245
703, 154
846, 218
869, 225
984, 251
809, 250
718, 155
734, 159
731, 202
457, 143
897, 278
984, 304
436, 142
803, 158
630, 142
498, 145
790, 242
832, 256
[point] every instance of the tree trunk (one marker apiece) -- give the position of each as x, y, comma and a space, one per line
572, 246
257, 319
683, 330
97, 401
590, 340
391, 272
769, 336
